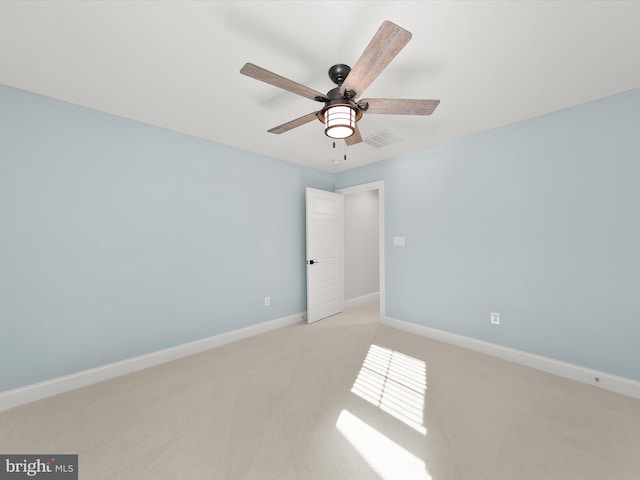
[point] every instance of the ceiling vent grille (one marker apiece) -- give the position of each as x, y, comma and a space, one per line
382, 139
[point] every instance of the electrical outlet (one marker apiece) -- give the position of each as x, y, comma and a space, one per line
495, 318
267, 301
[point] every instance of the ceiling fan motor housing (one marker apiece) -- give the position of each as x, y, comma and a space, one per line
334, 98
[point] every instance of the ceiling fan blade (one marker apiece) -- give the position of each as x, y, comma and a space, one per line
259, 73
393, 106
355, 138
383, 47
285, 127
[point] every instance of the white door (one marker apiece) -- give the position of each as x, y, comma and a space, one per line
325, 254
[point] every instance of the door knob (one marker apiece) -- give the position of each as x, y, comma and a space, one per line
311, 262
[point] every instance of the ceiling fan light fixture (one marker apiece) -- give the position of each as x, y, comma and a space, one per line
341, 108
340, 121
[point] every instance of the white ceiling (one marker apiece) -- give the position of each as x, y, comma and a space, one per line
176, 64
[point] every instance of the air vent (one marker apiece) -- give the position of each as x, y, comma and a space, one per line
382, 139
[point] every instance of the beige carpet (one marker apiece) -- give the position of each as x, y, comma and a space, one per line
344, 398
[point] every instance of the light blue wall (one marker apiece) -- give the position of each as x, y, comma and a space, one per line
119, 239
539, 221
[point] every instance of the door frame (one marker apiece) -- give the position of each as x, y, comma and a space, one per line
365, 187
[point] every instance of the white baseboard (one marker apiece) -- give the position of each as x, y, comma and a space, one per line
361, 299
55, 386
604, 380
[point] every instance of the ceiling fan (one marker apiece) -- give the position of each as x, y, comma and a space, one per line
342, 110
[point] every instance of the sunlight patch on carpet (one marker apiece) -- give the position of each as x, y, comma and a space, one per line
394, 382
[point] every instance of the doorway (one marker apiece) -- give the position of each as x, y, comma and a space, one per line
370, 261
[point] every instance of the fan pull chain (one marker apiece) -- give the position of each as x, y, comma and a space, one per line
336, 161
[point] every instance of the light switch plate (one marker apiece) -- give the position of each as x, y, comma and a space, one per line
398, 241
